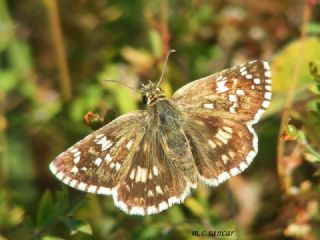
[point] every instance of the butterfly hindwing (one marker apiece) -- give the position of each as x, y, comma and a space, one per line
221, 147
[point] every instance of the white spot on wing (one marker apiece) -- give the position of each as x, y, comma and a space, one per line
74, 150
243, 69
82, 186
137, 211
227, 129
92, 189
150, 193
208, 105
224, 158
112, 165
129, 144
152, 210
233, 98
268, 95
257, 80
212, 144
84, 169
243, 73
118, 166
240, 92
60, 175
266, 65
53, 168
155, 170
243, 166
265, 104
221, 87
223, 136
159, 189
267, 74
74, 169
233, 107
234, 171
104, 190
132, 173
141, 175
250, 156
77, 154
76, 160
98, 161
249, 76
73, 183
66, 180
108, 158
268, 88
173, 200
105, 143
223, 177
163, 206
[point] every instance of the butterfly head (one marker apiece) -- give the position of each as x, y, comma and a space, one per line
151, 93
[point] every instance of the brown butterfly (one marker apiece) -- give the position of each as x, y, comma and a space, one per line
150, 159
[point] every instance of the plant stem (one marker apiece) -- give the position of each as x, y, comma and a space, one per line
65, 82
281, 164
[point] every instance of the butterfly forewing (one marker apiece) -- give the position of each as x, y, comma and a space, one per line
242, 92
97, 163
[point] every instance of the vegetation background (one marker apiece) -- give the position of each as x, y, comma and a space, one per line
54, 58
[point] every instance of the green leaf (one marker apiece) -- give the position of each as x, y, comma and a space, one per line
46, 209
284, 65
8, 80
123, 97
62, 202
313, 28
28, 223
50, 237
151, 232
156, 43
77, 225
195, 207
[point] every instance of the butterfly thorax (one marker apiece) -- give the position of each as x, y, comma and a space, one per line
163, 113
151, 93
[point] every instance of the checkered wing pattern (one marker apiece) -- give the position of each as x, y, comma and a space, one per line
143, 168
219, 113
241, 93
160, 174
98, 163
149, 160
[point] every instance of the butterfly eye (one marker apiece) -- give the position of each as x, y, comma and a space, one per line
144, 99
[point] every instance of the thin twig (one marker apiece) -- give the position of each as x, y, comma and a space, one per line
285, 116
65, 82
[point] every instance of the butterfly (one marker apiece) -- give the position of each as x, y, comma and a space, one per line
150, 159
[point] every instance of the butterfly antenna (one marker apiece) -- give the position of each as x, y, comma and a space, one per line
164, 65
121, 83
